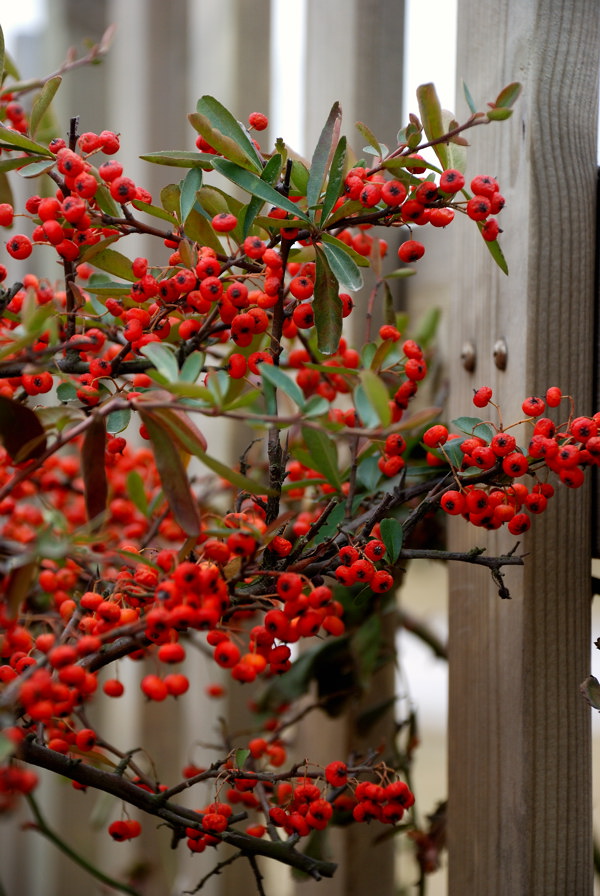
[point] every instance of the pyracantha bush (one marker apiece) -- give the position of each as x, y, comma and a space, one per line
113, 551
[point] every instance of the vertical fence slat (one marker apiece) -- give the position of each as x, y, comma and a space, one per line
519, 756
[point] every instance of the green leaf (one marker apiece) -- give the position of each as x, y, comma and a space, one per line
240, 757
188, 189
392, 535
95, 484
36, 168
500, 114
364, 408
509, 95
369, 137
469, 99
21, 432
322, 156
66, 392
431, 116
327, 305
22, 163
223, 144
270, 175
369, 474
109, 260
198, 229
343, 261
474, 426
377, 395
169, 198
14, 140
316, 406
172, 474
323, 455
118, 421
254, 185
336, 179
590, 689
299, 176
162, 355
137, 492
400, 274
220, 118
281, 380
155, 211
42, 102
456, 152
192, 367
496, 252
178, 159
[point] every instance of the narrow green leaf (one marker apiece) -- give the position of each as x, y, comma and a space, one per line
369, 136
42, 102
221, 118
316, 406
392, 535
323, 455
364, 408
192, 367
270, 175
400, 274
155, 211
173, 475
336, 179
500, 114
13, 140
137, 492
508, 95
21, 432
254, 185
469, 99
118, 421
169, 197
93, 469
198, 229
456, 153
178, 425
22, 163
377, 394
281, 380
109, 260
299, 177
327, 305
180, 159
431, 116
590, 689
496, 252
35, 168
342, 262
223, 144
188, 190
162, 355
474, 426
322, 155
240, 757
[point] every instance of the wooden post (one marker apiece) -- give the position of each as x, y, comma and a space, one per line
519, 753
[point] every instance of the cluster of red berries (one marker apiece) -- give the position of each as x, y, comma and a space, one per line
565, 449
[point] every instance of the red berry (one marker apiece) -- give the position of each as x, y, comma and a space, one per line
451, 181
224, 222
482, 397
478, 208
19, 246
258, 121
411, 251
533, 406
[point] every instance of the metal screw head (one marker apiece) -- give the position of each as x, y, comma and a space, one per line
500, 354
468, 356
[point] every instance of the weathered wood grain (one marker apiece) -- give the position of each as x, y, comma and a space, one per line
519, 754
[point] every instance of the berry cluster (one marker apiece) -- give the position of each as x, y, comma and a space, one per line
566, 450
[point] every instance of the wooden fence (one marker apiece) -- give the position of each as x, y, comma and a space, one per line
519, 756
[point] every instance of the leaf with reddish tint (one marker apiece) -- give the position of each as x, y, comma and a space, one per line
21, 432
173, 476
322, 157
327, 306
509, 95
95, 484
